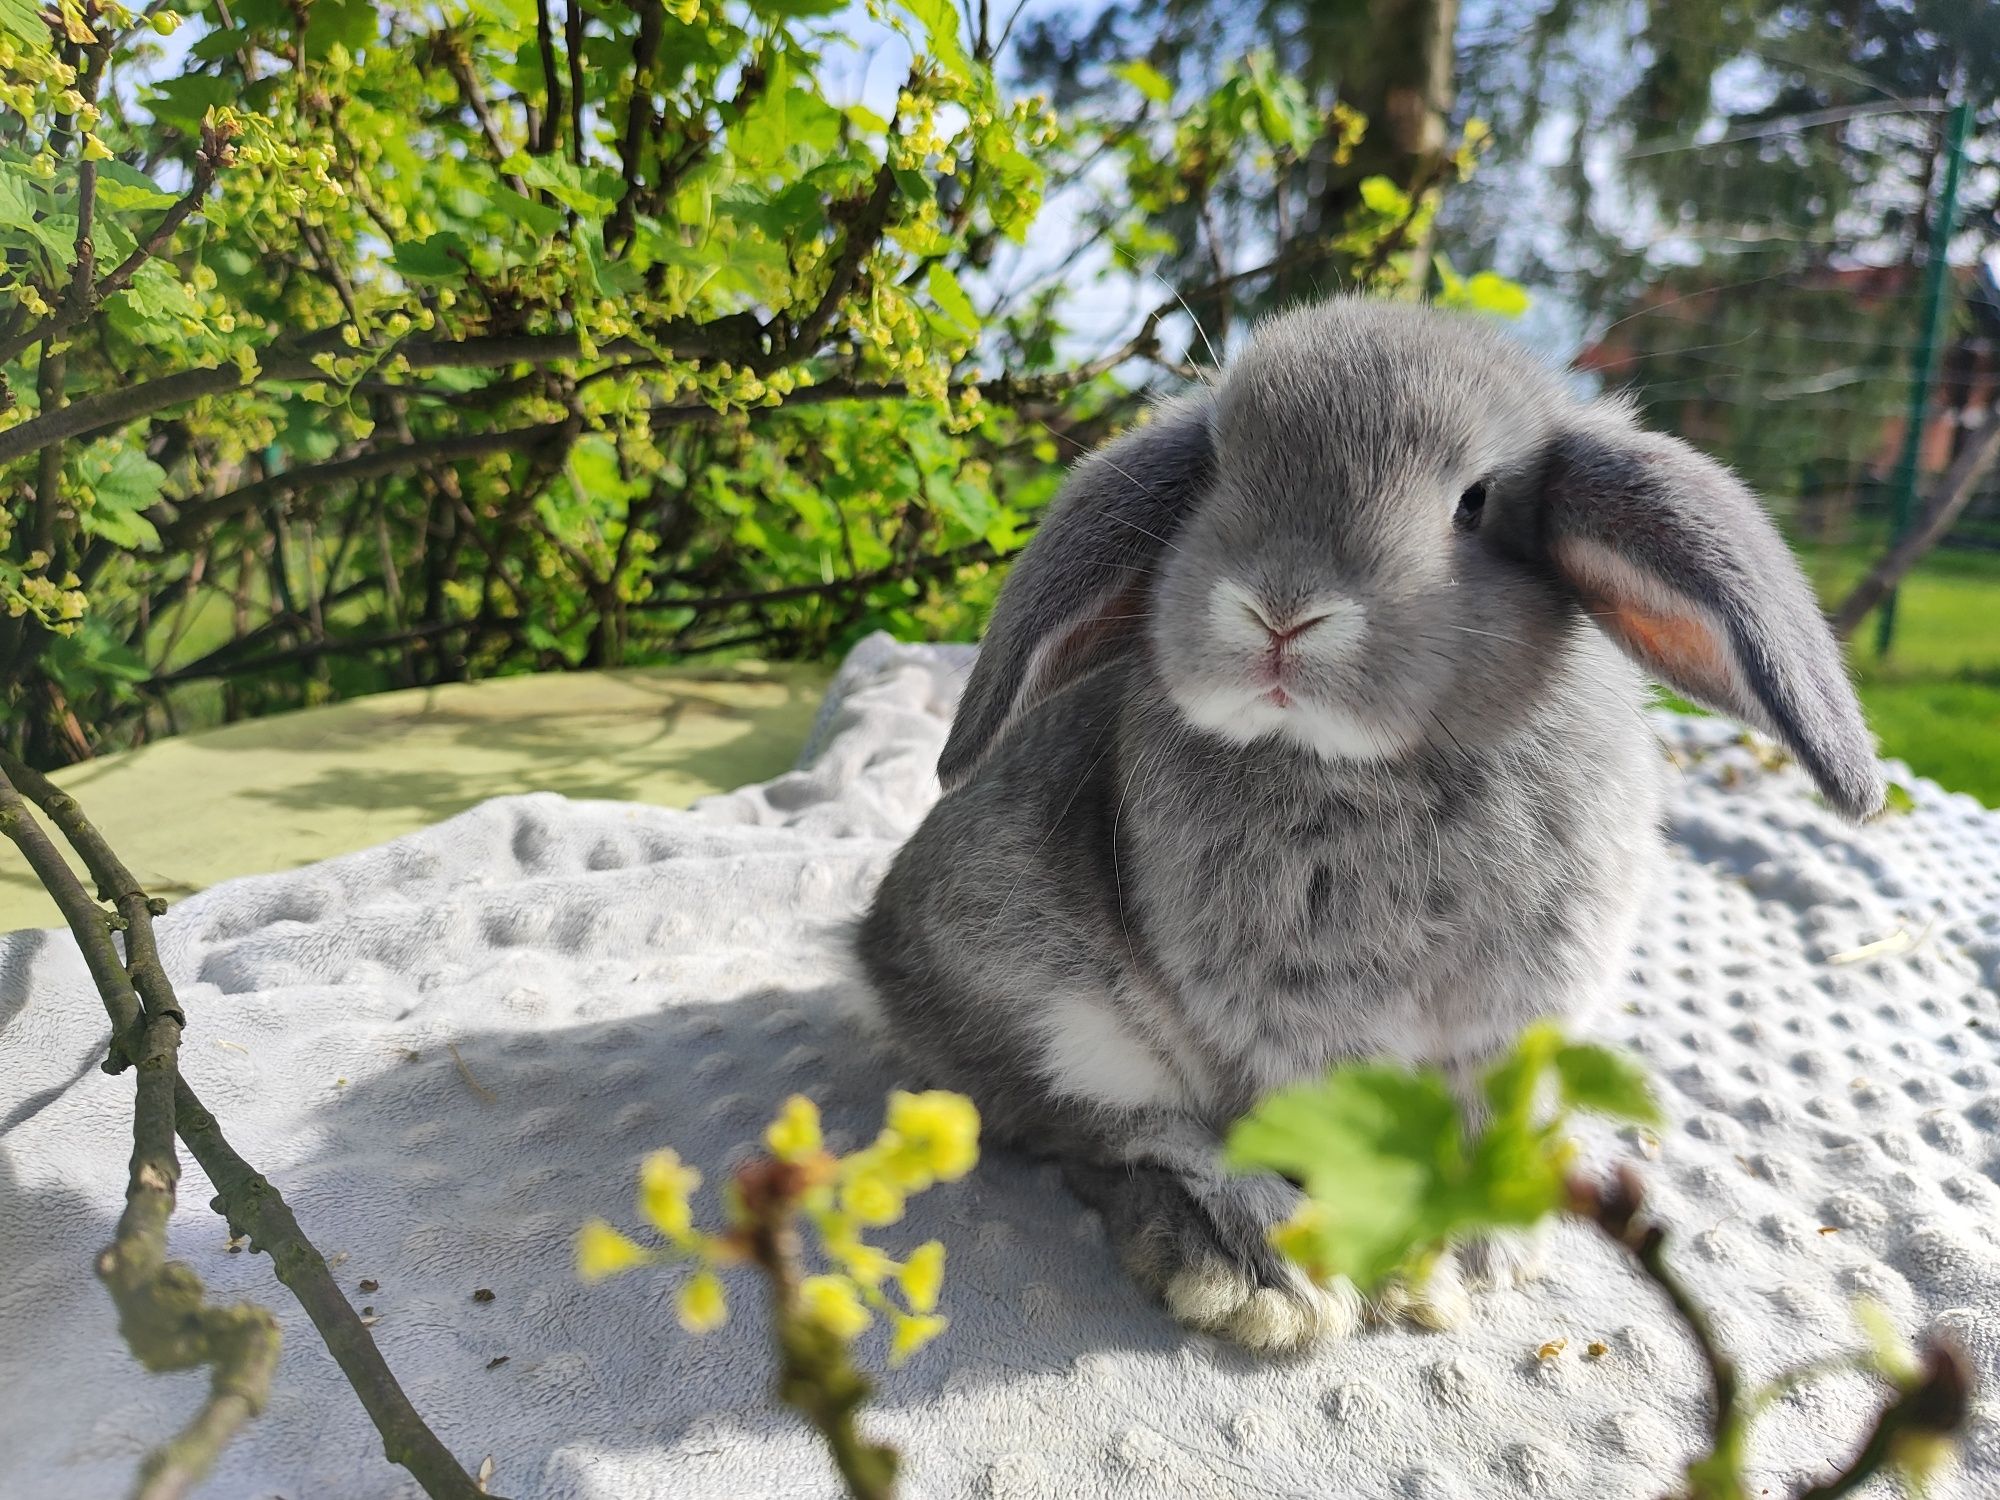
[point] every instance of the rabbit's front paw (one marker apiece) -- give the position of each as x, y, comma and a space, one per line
1504, 1259
1280, 1316
1201, 1243
1436, 1300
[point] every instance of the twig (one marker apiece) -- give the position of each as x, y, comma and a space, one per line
197, 515
552, 112
207, 669
573, 46
250, 1203
723, 338
942, 562
866, 219
163, 1313
485, 1095
194, 515
815, 1376
1954, 491
449, 47
638, 119
1933, 1405
1398, 236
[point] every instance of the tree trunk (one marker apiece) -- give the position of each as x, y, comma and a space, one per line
1400, 77
1947, 503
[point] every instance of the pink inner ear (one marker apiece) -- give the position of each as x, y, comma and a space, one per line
1680, 647
1083, 645
1661, 627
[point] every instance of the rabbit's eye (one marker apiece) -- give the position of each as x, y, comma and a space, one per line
1470, 504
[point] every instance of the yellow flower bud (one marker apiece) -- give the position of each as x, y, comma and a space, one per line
936, 1136
700, 1304
861, 1260
872, 1199
795, 1134
922, 1276
665, 1184
602, 1251
831, 1302
911, 1334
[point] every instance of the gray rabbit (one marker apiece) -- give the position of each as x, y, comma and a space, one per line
1305, 731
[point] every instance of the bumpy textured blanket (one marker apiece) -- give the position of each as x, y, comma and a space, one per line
451, 1050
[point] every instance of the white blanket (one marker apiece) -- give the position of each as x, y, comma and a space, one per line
450, 1051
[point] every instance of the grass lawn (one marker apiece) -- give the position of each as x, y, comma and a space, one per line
1935, 699
1934, 702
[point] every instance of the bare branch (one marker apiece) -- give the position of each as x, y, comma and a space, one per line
573, 46
250, 1203
210, 669
448, 47
196, 515
1947, 503
552, 113
163, 1313
865, 223
922, 567
1934, 1404
733, 338
638, 119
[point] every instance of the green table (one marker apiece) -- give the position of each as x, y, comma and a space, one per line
276, 793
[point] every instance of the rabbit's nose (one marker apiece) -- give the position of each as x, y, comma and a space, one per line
1288, 624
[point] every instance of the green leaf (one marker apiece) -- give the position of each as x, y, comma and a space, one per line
91, 660
122, 528
1896, 799
1378, 1149
1389, 1171
441, 257
224, 41
1383, 197
591, 191
128, 190
939, 18
785, 122
1147, 79
1604, 1082
1284, 114
21, 19
951, 299
611, 278
121, 483
156, 291
1489, 292
183, 101
1512, 1083
346, 23
22, 197
530, 213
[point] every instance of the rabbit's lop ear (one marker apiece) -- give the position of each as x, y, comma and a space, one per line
1681, 567
1077, 596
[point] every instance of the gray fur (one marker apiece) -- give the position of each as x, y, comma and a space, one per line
1151, 897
